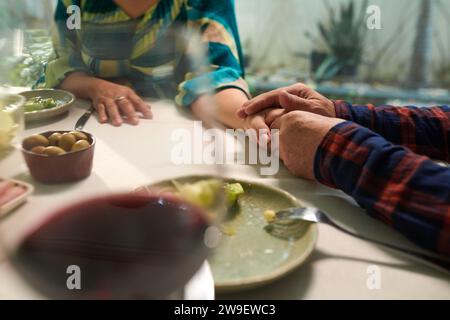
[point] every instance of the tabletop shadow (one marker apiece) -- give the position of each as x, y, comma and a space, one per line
45, 189
186, 113
285, 289
280, 289
427, 270
48, 121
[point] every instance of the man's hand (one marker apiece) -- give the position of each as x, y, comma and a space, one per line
300, 136
295, 97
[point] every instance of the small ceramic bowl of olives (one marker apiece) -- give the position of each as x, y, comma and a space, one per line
59, 156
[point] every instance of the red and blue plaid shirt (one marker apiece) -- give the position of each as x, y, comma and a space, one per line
382, 157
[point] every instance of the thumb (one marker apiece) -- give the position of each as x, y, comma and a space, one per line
292, 102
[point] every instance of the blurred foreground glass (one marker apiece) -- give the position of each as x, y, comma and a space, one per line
11, 120
127, 245
115, 247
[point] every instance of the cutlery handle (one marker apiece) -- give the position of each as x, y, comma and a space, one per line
440, 261
84, 118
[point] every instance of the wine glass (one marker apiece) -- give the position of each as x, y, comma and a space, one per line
121, 242
11, 120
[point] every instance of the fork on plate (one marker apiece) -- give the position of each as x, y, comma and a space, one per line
289, 224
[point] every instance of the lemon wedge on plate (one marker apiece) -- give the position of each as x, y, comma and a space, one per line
8, 129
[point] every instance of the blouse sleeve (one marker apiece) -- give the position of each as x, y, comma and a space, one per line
67, 54
216, 22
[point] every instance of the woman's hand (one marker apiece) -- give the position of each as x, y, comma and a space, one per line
301, 133
112, 101
117, 103
295, 97
261, 122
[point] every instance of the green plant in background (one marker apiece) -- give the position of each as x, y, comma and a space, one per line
25, 44
342, 38
26, 68
11, 16
29, 67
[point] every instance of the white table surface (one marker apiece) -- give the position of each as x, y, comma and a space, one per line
130, 156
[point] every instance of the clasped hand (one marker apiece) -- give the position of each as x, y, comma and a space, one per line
303, 116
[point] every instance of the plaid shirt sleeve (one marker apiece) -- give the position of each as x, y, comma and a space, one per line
425, 131
407, 191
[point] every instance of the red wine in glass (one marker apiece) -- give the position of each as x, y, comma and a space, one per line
127, 246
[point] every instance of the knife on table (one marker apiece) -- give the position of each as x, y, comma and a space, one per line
84, 119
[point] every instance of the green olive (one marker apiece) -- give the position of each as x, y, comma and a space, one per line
54, 138
38, 149
53, 151
35, 141
66, 141
79, 135
80, 145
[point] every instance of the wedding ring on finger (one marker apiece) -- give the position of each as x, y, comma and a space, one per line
119, 98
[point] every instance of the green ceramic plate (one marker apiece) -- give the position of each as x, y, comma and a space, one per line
248, 256
64, 100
